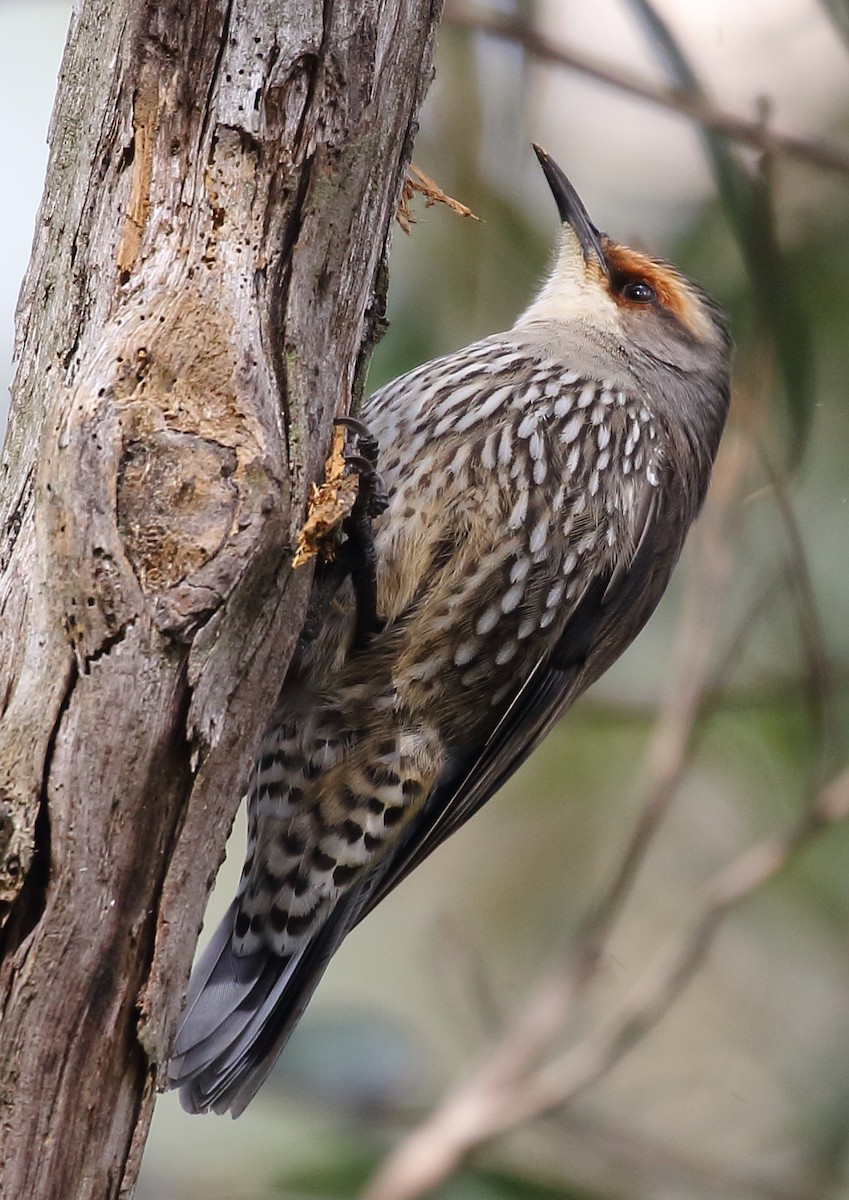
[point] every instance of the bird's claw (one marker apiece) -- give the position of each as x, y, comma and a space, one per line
359, 428
367, 444
372, 498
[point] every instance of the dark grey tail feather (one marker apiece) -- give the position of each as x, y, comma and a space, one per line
241, 1012
219, 985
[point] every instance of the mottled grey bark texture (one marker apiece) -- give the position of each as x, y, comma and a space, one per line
222, 181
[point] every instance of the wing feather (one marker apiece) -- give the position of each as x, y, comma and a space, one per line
552, 686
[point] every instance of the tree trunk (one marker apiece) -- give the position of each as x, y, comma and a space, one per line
222, 181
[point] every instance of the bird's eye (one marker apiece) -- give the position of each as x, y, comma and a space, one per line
639, 291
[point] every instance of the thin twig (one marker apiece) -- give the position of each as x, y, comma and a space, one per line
751, 133
419, 184
568, 1076
820, 685
729, 660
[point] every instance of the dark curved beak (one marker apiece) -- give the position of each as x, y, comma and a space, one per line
571, 209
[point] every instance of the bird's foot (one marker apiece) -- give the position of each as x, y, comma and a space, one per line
372, 498
358, 551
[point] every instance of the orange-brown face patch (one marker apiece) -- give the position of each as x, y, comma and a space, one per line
673, 293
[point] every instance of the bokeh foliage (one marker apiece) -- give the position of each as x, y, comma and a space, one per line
742, 1089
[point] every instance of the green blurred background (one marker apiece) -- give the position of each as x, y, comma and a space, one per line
743, 1088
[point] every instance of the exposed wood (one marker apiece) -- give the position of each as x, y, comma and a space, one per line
221, 186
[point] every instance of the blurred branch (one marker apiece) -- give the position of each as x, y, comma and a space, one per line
750, 132
748, 200
770, 690
819, 681
490, 1102
660, 1165
838, 12
818, 687
586, 1063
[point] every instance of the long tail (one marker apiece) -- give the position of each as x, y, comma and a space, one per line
240, 1013
242, 1009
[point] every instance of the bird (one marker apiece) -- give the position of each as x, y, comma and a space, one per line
539, 484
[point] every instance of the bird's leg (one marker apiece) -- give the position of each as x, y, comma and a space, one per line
329, 577
358, 552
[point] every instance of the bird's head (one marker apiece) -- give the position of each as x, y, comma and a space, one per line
632, 301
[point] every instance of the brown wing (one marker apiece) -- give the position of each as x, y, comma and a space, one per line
614, 607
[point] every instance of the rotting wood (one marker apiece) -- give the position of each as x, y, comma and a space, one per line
330, 503
222, 182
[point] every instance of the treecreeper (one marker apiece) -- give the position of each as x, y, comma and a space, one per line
540, 487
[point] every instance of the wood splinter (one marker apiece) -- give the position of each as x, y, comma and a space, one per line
418, 182
329, 505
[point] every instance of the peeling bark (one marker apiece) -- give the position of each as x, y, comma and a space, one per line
222, 180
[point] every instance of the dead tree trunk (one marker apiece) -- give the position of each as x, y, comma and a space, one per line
222, 179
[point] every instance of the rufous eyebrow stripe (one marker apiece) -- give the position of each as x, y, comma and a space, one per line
673, 291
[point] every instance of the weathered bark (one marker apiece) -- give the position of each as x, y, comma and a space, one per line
222, 180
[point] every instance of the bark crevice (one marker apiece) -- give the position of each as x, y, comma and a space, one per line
180, 365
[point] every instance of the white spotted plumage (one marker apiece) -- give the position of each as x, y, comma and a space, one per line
540, 485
